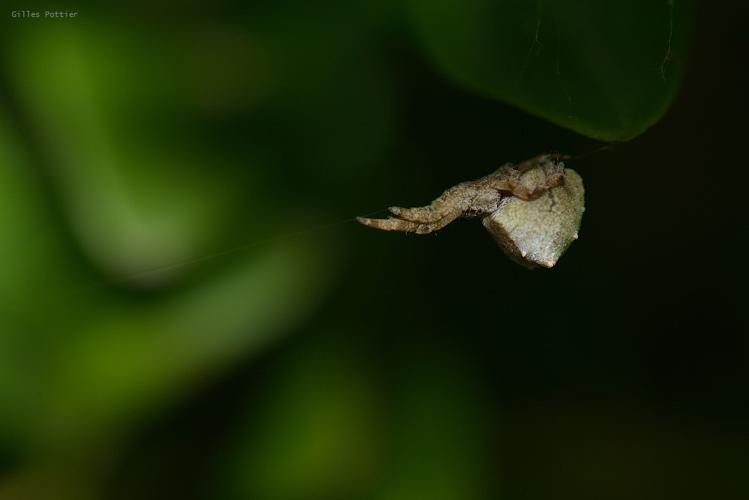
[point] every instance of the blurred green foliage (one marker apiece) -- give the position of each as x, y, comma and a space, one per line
187, 310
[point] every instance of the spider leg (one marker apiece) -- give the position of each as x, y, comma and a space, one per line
436, 226
406, 226
425, 215
440, 208
513, 185
539, 160
389, 224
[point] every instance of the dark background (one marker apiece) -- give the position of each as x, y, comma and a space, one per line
394, 366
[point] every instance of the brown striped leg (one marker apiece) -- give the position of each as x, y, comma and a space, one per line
449, 201
513, 185
406, 226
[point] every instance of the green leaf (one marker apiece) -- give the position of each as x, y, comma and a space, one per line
607, 69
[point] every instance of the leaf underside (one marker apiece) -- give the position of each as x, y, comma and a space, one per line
607, 69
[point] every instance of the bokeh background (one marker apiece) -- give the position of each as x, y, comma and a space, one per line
188, 310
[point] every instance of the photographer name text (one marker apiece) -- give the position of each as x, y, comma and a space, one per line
47, 14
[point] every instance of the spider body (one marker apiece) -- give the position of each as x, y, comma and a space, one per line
533, 209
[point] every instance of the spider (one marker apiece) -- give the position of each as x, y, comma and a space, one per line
533, 209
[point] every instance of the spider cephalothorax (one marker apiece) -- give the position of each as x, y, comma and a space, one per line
533, 209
